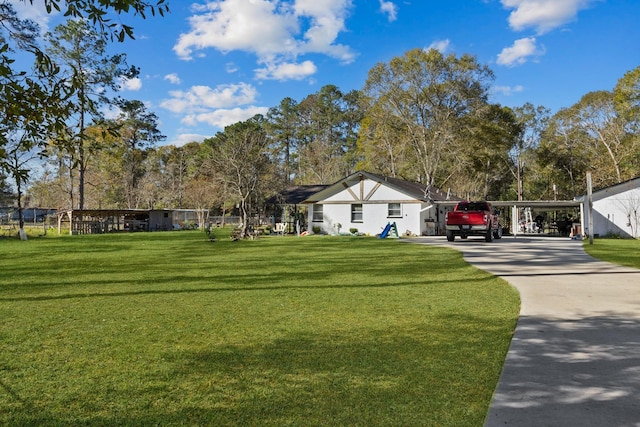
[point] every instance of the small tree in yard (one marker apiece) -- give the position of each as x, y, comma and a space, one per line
16, 164
32, 102
19, 145
201, 194
631, 207
239, 158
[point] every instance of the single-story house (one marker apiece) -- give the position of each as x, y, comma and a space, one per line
368, 202
616, 210
32, 214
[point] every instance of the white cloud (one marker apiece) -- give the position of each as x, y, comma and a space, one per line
173, 78
232, 25
507, 90
519, 52
390, 9
35, 12
113, 112
440, 45
224, 117
286, 71
203, 98
219, 106
285, 31
326, 20
133, 84
185, 138
543, 15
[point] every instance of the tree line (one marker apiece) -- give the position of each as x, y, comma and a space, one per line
423, 116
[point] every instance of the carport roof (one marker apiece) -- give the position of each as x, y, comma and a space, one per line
102, 212
542, 204
545, 204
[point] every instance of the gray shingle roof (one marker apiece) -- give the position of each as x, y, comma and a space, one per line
295, 195
413, 189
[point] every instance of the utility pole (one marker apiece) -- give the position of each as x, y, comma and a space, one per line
590, 207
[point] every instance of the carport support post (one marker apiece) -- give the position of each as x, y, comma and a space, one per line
590, 207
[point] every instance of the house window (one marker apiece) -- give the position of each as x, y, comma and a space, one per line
356, 213
394, 210
317, 213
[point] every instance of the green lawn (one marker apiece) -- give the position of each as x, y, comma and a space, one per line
170, 329
619, 251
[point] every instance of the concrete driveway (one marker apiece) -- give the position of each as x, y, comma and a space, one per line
575, 356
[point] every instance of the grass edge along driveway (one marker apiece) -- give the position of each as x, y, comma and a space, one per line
618, 251
171, 329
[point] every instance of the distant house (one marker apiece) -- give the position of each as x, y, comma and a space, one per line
616, 210
32, 214
368, 202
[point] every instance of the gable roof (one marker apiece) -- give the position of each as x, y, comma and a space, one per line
414, 190
630, 184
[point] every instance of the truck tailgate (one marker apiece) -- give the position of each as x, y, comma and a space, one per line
465, 218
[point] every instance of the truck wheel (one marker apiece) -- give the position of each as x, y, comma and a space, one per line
488, 237
450, 236
498, 233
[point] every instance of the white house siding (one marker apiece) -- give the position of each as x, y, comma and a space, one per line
375, 199
616, 210
374, 218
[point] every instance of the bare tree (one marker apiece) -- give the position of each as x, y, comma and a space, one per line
533, 121
631, 207
607, 130
240, 160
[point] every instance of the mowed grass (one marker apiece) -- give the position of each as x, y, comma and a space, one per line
618, 251
170, 329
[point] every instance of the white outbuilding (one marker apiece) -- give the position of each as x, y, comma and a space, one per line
616, 210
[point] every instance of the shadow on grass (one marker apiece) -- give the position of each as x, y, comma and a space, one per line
437, 370
231, 267
571, 373
257, 287
420, 375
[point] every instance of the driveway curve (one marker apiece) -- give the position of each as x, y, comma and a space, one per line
574, 359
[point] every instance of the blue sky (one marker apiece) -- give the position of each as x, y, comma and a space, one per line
208, 64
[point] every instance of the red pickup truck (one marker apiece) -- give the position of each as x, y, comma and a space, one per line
473, 218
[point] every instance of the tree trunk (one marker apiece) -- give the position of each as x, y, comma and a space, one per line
21, 233
244, 230
82, 168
